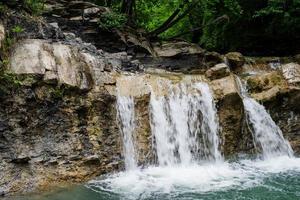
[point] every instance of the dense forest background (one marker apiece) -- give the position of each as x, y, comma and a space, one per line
253, 27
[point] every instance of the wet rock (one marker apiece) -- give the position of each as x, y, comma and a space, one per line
235, 60
218, 71
231, 113
285, 111
143, 130
224, 87
291, 73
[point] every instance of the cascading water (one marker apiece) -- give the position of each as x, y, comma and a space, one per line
266, 133
185, 128
125, 106
185, 125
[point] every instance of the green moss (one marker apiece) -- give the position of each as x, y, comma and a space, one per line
8, 82
254, 84
276, 79
57, 92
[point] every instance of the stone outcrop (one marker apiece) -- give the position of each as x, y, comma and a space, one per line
284, 109
235, 59
266, 86
281, 97
234, 135
58, 62
176, 48
57, 113
218, 71
291, 73
47, 139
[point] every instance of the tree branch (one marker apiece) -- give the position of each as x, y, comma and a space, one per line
217, 20
172, 20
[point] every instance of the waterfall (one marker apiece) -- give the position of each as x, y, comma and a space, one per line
125, 107
185, 129
184, 125
267, 135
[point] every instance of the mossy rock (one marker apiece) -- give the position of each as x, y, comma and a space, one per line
260, 83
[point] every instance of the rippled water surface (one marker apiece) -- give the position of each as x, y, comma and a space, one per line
277, 178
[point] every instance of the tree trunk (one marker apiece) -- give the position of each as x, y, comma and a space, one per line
128, 9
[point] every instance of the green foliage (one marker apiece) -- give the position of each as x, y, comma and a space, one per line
2, 8
151, 14
250, 26
34, 6
8, 81
5, 50
10, 39
58, 92
17, 29
213, 33
111, 20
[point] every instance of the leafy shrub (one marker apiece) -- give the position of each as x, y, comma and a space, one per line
34, 6
17, 29
2, 8
111, 20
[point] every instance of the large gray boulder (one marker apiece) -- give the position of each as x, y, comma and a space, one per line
58, 62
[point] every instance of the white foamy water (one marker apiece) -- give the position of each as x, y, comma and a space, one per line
184, 125
142, 184
125, 107
267, 135
185, 129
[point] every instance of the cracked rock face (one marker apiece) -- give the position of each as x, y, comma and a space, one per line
58, 62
